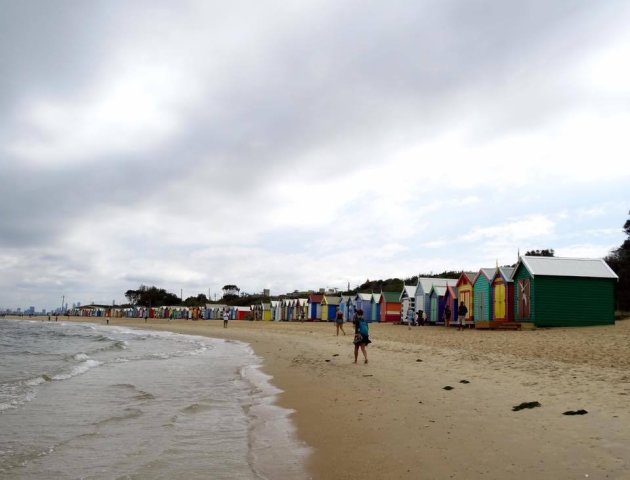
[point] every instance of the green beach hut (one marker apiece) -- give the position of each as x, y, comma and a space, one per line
564, 292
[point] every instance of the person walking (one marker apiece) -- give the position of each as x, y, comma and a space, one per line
361, 336
447, 316
461, 315
226, 317
339, 321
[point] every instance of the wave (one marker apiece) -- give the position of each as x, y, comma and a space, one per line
78, 370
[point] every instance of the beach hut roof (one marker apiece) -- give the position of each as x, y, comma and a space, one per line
486, 272
451, 290
438, 289
377, 296
364, 296
428, 282
506, 273
407, 291
331, 300
470, 276
390, 296
567, 267
315, 298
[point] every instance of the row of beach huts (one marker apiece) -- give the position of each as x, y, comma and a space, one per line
537, 291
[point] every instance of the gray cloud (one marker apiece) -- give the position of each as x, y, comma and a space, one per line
243, 99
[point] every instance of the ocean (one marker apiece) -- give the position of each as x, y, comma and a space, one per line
99, 401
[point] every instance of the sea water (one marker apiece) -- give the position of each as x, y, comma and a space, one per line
101, 401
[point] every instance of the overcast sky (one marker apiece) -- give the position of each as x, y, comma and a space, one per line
299, 145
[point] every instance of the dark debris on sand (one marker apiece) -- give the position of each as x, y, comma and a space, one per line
525, 405
448, 387
575, 412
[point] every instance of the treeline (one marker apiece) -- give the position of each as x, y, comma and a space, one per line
619, 261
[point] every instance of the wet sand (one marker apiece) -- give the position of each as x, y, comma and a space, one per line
393, 418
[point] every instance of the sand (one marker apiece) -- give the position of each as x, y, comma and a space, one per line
393, 419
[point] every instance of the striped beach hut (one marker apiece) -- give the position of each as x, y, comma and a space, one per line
275, 310
389, 307
464, 287
503, 295
563, 292
482, 294
408, 304
301, 309
345, 303
315, 306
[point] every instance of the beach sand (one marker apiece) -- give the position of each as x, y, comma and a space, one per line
393, 419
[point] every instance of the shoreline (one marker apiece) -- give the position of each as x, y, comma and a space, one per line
393, 418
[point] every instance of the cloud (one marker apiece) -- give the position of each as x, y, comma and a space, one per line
301, 145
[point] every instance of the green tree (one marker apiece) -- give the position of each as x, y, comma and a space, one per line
230, 292
619, 261
548, 252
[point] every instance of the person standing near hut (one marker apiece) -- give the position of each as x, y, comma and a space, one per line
339, 321
361, 336
461, 315
447, 316
226, 317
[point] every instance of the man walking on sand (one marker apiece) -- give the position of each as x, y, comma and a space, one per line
226, 317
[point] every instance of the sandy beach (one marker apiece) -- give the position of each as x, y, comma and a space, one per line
394, 419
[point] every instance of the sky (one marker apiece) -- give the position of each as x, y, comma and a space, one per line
289, 146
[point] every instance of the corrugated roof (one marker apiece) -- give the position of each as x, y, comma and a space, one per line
506, 273
568, 267
486, 272
390, 296
428, 282
409, 290
332, 300
439, 290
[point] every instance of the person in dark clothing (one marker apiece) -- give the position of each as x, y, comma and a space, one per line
461, 315
361, 336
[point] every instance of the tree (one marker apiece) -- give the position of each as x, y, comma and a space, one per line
541, 253
230, 292
151, 297
619, 261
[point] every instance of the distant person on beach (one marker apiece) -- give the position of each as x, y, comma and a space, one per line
361, 336
226, 317
447, 316
461, 315
339, 321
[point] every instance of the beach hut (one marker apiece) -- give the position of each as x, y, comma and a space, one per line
363, 301
376, 307
464, 287
423, 289
301, 309
503, 295
389, 307
408, 304
482, 294
266, 311
450, 299
344, 305
330, 304
564, 292
315, 306
436, 300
